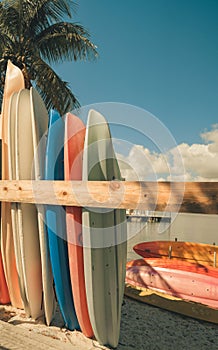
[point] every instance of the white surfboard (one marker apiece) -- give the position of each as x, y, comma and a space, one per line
12, 176
39, 118
14, 81
27, 213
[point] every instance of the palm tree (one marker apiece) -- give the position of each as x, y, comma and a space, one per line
33, 36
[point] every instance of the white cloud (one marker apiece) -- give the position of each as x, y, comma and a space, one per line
200, 160
211, 136
196, 162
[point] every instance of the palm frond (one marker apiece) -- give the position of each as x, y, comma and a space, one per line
55, 92
32, 31
9, 22
5, 43
55, 10
66, 41
3, 66
8, 3
43, 12
39, 14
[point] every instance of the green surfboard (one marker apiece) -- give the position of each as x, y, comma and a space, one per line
104, 237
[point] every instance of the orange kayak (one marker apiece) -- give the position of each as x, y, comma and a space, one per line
178, 278
177, 264
206, 254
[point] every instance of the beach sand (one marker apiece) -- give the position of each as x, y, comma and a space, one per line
143, 327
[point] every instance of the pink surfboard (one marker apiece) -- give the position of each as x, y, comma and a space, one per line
73, 151
14, 81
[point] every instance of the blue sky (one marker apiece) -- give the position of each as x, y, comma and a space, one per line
159, 55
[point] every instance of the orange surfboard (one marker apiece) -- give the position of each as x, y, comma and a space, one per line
14, 81
73, 149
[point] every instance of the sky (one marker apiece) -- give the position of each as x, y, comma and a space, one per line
160, 57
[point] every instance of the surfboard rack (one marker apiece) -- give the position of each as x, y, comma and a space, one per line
192, 197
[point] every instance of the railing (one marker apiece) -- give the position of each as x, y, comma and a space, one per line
192, 197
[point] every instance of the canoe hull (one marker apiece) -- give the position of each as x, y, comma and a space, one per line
188, 282
188, 251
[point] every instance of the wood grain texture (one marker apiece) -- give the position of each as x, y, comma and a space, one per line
193, 197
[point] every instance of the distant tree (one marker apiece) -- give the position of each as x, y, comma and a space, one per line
33, 35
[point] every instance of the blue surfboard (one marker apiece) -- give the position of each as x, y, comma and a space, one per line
56, 222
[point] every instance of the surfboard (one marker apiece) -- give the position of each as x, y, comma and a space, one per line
56, 222
189, 251
4, 295
27, 217
39, 118
73, 152
12, 176
104, 237
14, 81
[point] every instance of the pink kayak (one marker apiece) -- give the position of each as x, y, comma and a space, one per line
181, 279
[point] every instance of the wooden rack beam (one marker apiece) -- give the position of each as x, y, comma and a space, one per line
193, 197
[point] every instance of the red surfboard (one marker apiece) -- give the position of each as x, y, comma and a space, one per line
73, 151
4, 295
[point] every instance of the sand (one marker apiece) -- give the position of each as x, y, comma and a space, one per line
142, 327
